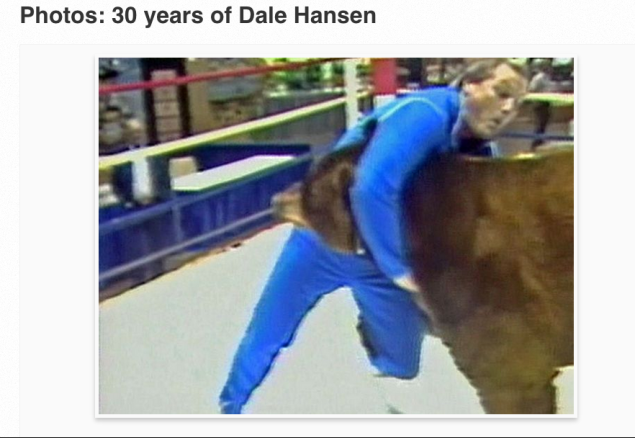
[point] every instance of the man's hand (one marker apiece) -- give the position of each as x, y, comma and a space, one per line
407, 282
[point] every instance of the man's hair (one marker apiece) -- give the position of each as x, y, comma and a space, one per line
482, 69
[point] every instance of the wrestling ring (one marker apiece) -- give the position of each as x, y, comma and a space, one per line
179, 275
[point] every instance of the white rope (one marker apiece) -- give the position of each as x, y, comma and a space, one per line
224, 133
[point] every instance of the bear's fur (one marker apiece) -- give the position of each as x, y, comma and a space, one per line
491, 247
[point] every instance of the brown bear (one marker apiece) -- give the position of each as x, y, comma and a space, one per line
491, 247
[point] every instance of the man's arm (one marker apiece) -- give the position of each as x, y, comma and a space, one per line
358, 134
405, 137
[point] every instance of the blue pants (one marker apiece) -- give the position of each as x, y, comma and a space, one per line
391, 324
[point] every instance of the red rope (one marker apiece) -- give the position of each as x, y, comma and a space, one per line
183, 80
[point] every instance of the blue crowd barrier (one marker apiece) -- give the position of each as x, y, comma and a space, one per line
129, 234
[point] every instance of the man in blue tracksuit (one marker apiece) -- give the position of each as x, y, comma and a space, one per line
408, 131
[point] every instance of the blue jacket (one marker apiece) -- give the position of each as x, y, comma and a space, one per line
409, 131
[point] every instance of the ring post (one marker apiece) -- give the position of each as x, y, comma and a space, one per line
384, 80
351, 86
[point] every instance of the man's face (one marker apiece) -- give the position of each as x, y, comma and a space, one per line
491, 104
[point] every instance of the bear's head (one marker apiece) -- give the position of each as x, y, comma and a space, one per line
321, 202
